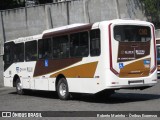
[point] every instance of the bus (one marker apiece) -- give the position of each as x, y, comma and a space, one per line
158, 56
84, 58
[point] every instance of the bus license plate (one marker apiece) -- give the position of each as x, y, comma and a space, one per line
136, 82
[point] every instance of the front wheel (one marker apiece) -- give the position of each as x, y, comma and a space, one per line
62, 89
19, 89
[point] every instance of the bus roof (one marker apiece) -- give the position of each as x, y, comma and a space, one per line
66, 29
123, 21
25, 39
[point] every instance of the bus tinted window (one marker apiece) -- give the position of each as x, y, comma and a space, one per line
19, 52
158, 55
44, 49
79, 44
31, 51
95, 42
61, 47
8, 53
132, 33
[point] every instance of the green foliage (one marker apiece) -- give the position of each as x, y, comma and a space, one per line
152, 9
10, 4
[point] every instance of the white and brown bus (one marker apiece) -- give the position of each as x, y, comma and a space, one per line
84, 58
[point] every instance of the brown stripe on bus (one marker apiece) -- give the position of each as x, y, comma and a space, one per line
135, 69
53, 65
80, 71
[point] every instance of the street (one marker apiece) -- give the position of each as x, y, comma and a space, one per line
122, 100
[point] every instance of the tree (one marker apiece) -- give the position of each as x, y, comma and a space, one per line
152, 10
10, 4
44, 1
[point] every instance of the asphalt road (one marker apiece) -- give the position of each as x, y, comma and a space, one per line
122, 100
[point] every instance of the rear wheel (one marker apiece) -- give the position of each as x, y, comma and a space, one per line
62, 89
19, 89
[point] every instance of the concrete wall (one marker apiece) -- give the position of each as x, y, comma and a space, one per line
131, 9
77, 12
1, 61
14, 23
1, 71
58, 13
105, 10
1, 31
33, 20
2, 34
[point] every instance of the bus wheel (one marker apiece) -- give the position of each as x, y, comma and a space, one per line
19, 89
62, 89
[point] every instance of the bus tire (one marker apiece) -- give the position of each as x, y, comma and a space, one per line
19, 89
62, 89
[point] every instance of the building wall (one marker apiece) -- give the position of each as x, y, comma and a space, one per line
14, 23
131, 9
1, 71
1, 31
29, 21
1, 44
157, 33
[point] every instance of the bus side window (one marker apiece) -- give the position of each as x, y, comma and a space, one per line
44, 49
19, 52
61, 47
8, 54
79, 44
95, 42
31, 51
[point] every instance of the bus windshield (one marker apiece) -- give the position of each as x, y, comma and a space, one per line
132, 33
158, 55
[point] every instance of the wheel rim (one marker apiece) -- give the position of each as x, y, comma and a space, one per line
63, 89
19, 86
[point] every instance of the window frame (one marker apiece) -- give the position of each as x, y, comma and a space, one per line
54, 40
11, 44
36, 51
123, 25
99, 42
50, 39
15, 52
88, 43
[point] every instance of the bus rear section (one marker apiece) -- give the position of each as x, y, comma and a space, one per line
132, 55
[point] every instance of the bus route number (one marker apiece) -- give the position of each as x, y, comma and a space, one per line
142, 31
